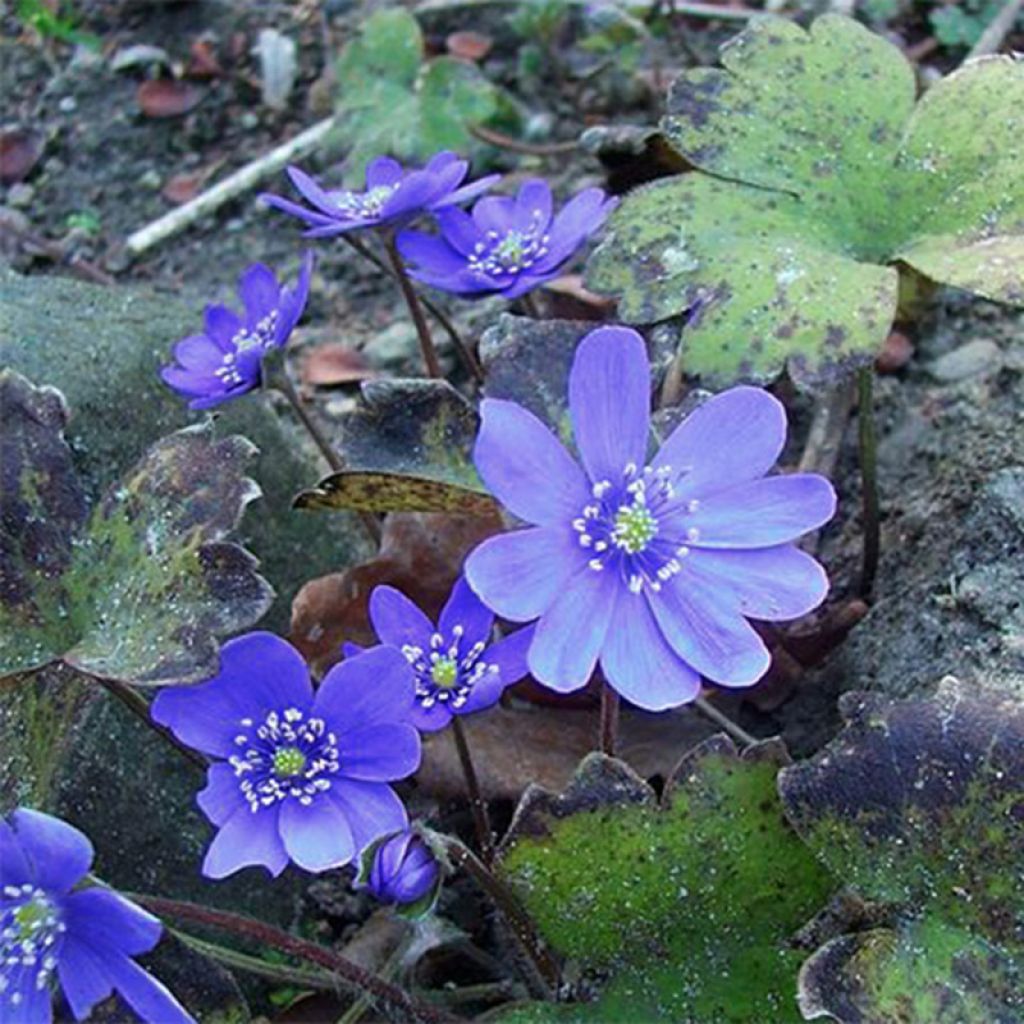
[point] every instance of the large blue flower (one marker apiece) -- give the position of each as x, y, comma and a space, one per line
393, 195
505, 246
458, 669
650, 566
299, 776
86, 937
225, 360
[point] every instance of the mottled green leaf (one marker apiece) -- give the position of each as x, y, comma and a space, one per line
410, 442
678, 911
390, 492
390, 101
143, 589
920, 805
822, 179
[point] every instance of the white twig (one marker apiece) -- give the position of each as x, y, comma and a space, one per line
998, 29
230, 188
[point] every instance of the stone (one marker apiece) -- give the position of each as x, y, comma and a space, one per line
980, 356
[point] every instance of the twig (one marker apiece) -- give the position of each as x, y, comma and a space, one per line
609, 732
409, 1006
503, 141
477, 805
430, 362
998, 29
540, 957
867, 441
723, 721
230, 188
724, 13
828, 424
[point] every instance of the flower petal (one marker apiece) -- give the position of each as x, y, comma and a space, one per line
430, 253
375, 687
526, 467
82, 977
638, 661
199, 353
571, 633
459, 229
431, 719
495, 213
147, 996
312, 192
15, 868
578, 219
246, 839
467, 192
610, 401
465, 610
105, 920
293, 300
709, 634
295, 210
533, 205
222, 325
260, 293
519, 574
259, 673
397, 620
31, 1004
371, 808
380, 753
758, 514
222, 795
772, 584
734, 437
317, 835
382, 170
509, 657
57, 853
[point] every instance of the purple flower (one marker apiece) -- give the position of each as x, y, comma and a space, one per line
458, 670
224, 361
506, 246
393, 195
299, 776
87, 937
650, 566
403, 871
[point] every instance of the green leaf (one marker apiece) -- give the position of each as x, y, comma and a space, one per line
920, 805
821, 179
390, 101
685, 908
408, 448
142, 590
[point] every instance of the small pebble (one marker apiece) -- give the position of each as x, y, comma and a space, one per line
249, 120
20, 195
67, 105
980, 356
150, 179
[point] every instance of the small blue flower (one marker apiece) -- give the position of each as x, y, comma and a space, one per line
505, 246
225, 360
299, 776
458, 670
86, 937
403, 871
651, 566
393, 195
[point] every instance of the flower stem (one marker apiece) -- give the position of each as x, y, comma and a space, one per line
867, 441
541, 958
139, 706
481, 821
708, 710
406, 1005
529, 303
609, 720
430, 361
465, 352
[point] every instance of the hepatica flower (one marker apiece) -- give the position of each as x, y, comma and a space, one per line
84, 939
299, 776
225, 360
650, 567
392, 195
458, 670
402, 870
505, 246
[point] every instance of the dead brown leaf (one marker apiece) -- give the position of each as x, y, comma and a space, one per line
20, 150
167, 97
469, 45
334, 363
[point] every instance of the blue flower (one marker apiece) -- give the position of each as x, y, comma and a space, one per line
393, 195
506, 246
403, 871
458, 670
87, 937
224, 361
299, 776
651, 566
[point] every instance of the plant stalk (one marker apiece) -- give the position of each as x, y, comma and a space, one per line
868, 443
430, 361
609, 732
724, 722
477, 804
411, 1008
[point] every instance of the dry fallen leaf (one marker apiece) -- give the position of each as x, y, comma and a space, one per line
334, 363
167, 97
469, 45
20, 150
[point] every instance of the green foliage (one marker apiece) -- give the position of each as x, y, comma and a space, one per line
686, 906
391, 100
962, 23
822, 177
919, 805
140, 589
409, 449
54, 23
